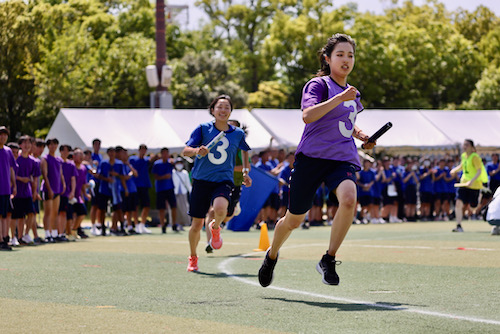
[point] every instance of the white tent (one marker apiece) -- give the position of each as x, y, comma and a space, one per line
129, 128
171, 128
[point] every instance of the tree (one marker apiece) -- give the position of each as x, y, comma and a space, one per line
199, 77
271, 94
18, 47
486, 95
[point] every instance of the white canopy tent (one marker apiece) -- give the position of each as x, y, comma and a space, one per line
156, 128
159, 128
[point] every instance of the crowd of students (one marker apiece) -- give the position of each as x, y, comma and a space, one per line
69, 183
390, 190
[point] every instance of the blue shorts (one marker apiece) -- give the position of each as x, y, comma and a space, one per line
307, 176
5, 205
165, 196
204, 193
143, 197
22, 207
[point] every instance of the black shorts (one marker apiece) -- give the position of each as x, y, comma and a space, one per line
469, 196
426, 197
376, 201
307, 176
204, 193
45, 196
410, 194
36, 206
5, 205
165, 196
143, 197
451, 197
285, 196
494, 184
63, 204
235, 198
365, 200
79, 209
22, 207
102, 201
130, 202
273, 201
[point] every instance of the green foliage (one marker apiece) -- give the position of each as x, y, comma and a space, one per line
92, 53
271, 94
199, 77
486, 95
18, 47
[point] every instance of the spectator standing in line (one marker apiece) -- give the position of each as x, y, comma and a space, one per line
410, 183
37, 150
104, 195
53, 186
493, 169
94, 161
426, 190
81, 194
182, 189
68, 196
8, 186
24, 210
142, 164
162, 171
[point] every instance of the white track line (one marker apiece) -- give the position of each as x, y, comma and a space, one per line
225, 267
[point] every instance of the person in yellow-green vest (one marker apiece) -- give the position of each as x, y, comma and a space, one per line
473, 176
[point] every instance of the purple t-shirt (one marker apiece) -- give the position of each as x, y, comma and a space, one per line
330, 137
27, 168
81, 180
54, 174
69, 170
6, 162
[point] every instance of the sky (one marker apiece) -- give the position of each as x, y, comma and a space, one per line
375, 6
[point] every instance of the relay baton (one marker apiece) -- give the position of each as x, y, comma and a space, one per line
213, 142
379, 133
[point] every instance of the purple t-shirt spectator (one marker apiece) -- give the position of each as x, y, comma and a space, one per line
27, 167
331, 136
69, 170
54, 174
81, 180
6, 162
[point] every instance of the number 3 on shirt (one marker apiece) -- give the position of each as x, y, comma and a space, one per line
352, 118
222, 152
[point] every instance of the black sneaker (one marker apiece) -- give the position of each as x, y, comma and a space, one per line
174, 228
164, 229
209, 249
5, 246
266, 270
326, 267
49, 240
81, 234
38, 241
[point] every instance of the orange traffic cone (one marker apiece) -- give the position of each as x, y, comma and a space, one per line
264, 239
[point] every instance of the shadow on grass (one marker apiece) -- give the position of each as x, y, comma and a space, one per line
222, 275
347, 307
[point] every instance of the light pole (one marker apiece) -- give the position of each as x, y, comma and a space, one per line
160, 75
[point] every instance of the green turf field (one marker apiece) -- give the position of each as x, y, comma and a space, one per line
395, 278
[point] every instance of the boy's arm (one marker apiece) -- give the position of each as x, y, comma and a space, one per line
247, 181
13, 181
